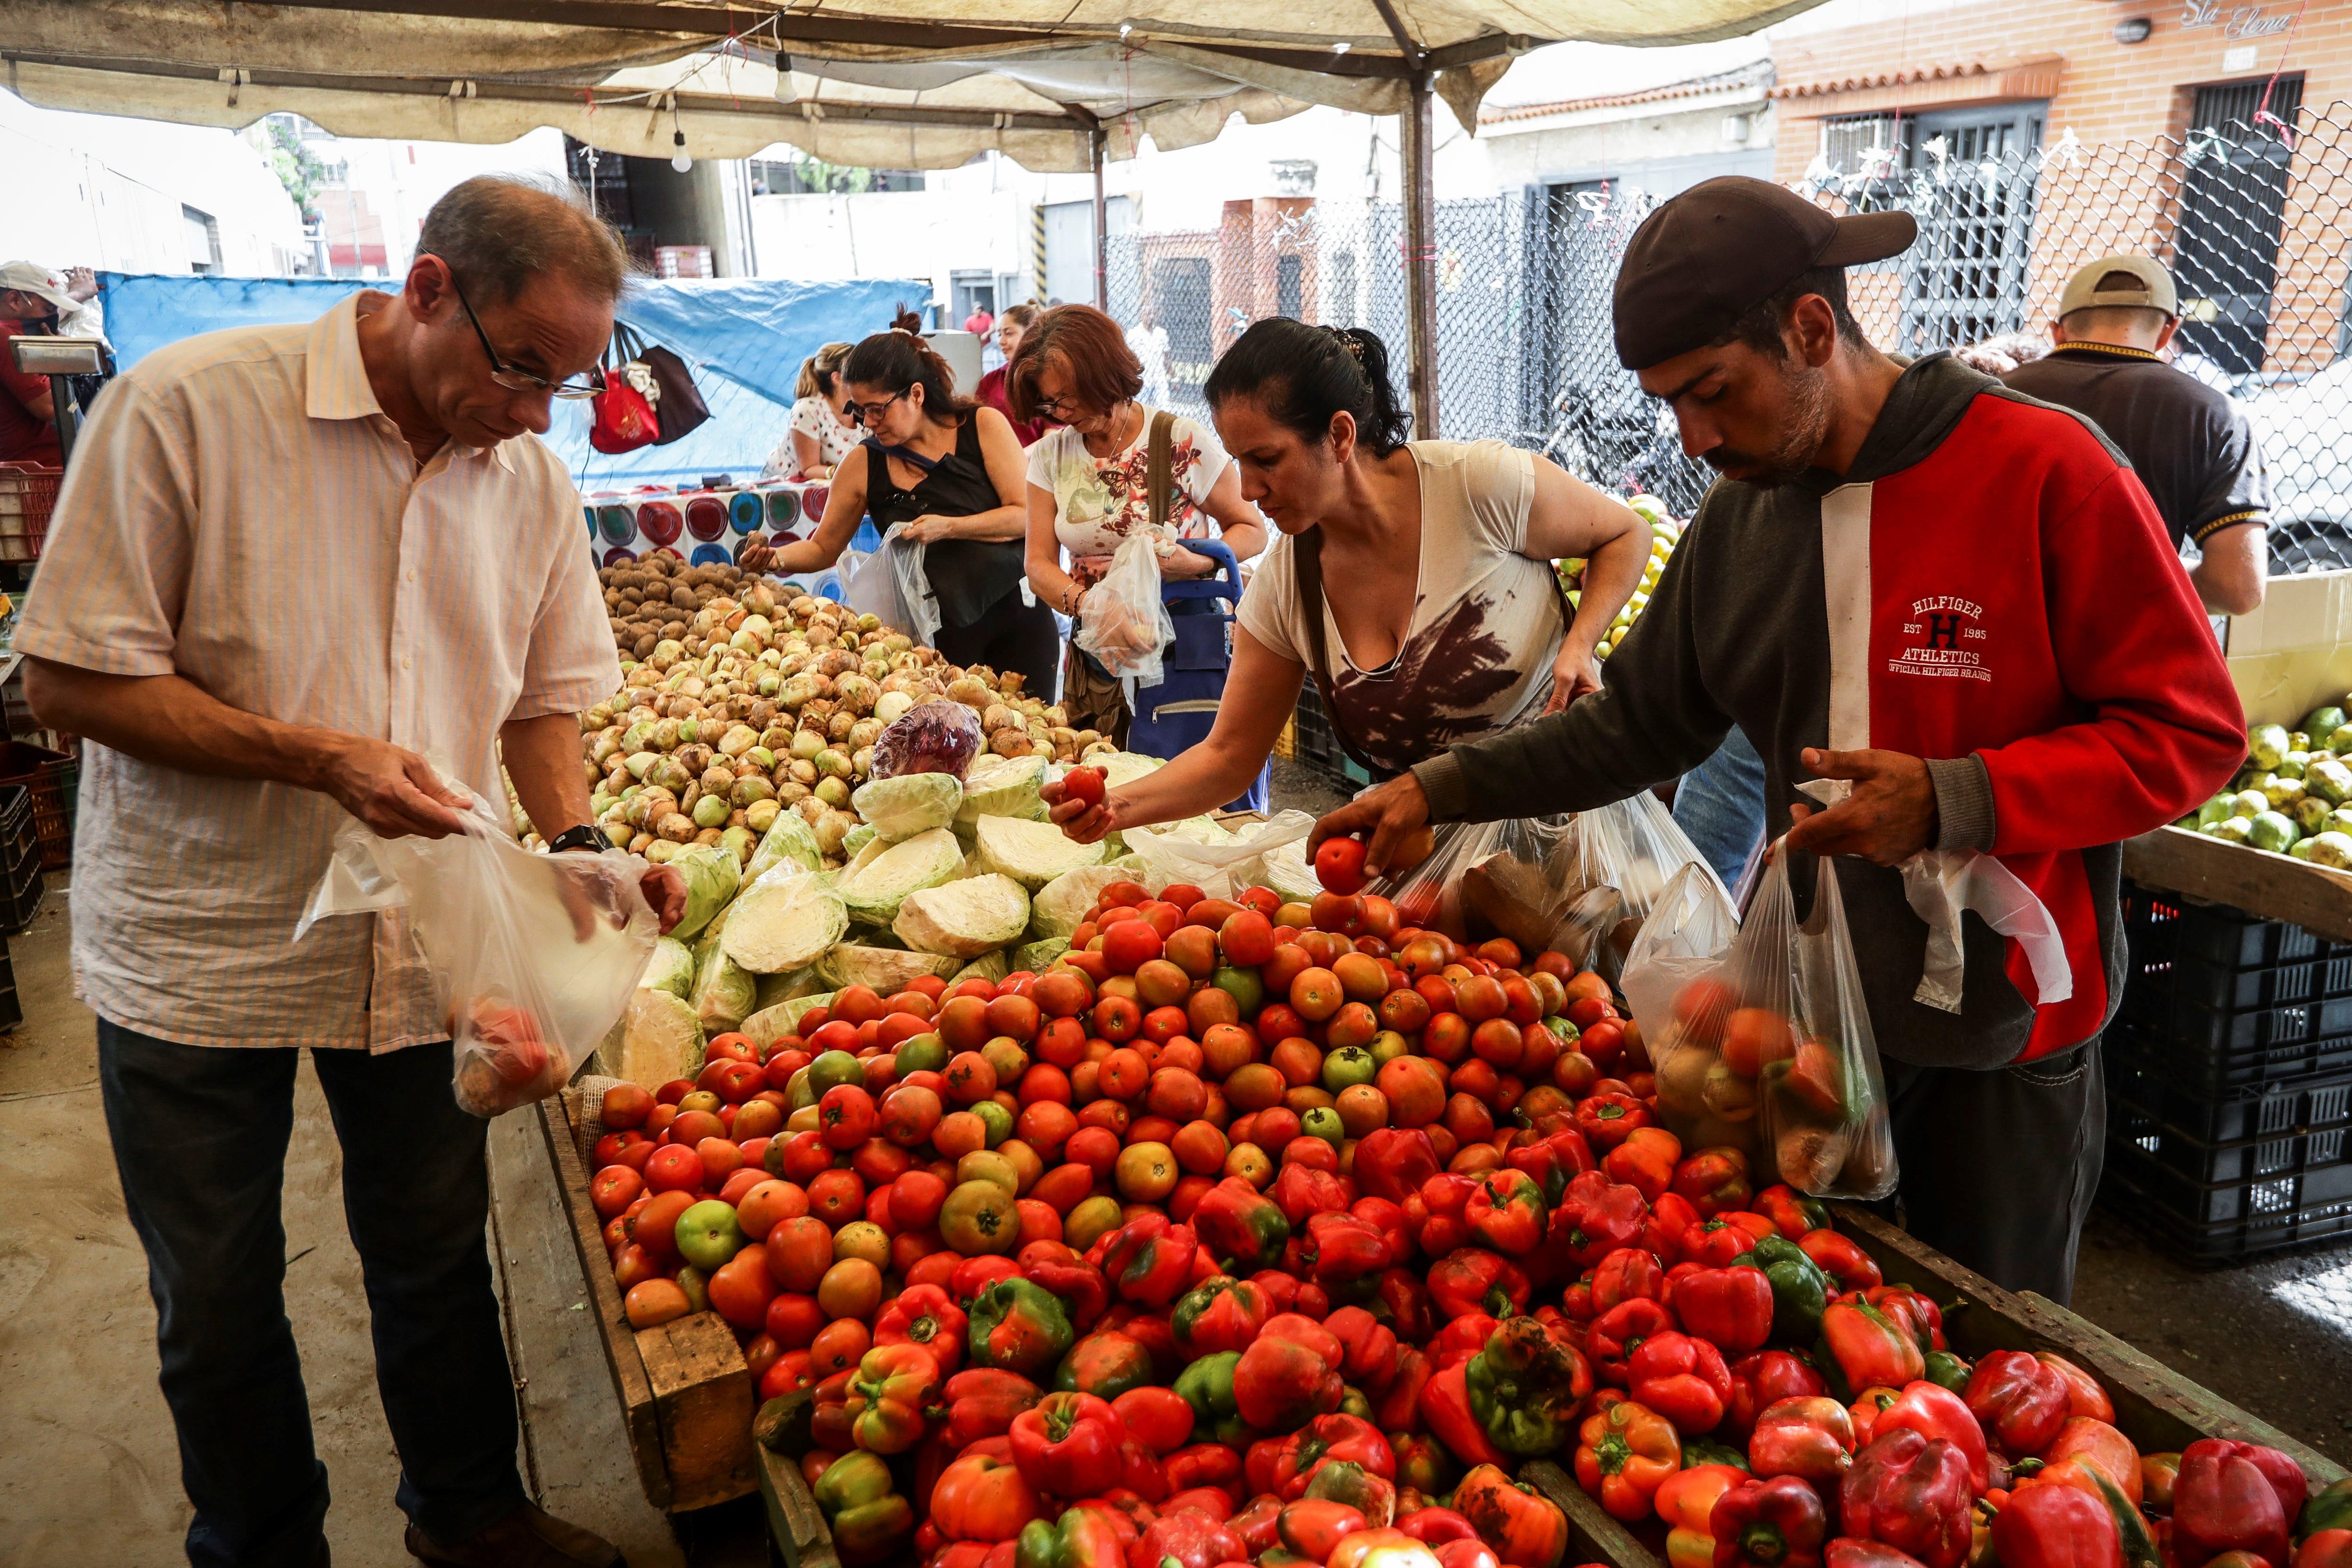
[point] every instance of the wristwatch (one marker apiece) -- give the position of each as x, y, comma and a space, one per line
583, 836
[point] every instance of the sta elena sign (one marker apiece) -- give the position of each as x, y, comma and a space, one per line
2235, 22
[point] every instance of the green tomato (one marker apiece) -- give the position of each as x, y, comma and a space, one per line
835, 1067
996, 1119
1387, 1045
1323, 1122
1244, 987
1348, 1066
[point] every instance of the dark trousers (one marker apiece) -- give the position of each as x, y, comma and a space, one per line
1998, 1168
200, 1136
1012, 636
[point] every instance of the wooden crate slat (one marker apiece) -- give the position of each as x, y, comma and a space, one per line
703, 1394
2275, 887
1592, 1534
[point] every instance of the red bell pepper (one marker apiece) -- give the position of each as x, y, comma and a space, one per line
1812, 1438
1606, 1119
1730, 1308
2085, 1394
923, 1315
1189, 1539
1068, 1446
1219, 1314
1085, 1293
1553, 1161
1445, 1409
1288, 1376
1670, 1214
1341, 1248
2325, 1549
1715, 1180
1913, 1492
1624, 1274
1841, 1259
1329, 1439
1472, 1280
1645, 1161
1596, 1216
1160, 1418
1934, 1412
1398, 1408
1435, 1526
1760, 1380
2225, 1501
1461, 1339
2019, 1401
1624, 1455
982, 1401
1845, 1552
1301, 1190
1913, 1313
1617, 1333
1792, 1213
1254, 1524
1149, 1328
1507, 1213
1870, 1349
1864, 1409
1718, 1243
1139, 1471
1389, 1218
2056, 1527
1393, 1162
1240, 1226
1148, 1259
1402, 1302
1202, 1465
1774, 1523
1368, 1348
1681, 1378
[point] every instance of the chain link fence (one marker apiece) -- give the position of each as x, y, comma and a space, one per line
2252, 211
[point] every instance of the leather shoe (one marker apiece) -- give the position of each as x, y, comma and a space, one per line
529, 1537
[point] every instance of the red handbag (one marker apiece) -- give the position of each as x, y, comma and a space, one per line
623, 420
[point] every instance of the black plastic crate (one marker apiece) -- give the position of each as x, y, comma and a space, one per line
2282, 1128
20, 840
2214, 1224
2221, 1002
2162, 927
1317, 747
12, 1005
22, 899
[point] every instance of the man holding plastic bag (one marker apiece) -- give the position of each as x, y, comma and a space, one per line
288, 564
1952, 612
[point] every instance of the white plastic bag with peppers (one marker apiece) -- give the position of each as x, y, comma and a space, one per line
533, 956
1771, 1050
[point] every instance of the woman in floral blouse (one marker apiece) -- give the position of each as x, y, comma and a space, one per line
1087, 489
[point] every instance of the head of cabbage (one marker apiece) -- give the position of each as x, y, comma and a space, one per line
712, 874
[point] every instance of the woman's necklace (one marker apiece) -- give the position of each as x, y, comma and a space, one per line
1119, 443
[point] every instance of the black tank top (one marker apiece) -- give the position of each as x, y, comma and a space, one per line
970, 577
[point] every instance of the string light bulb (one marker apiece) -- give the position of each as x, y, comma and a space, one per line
679, 160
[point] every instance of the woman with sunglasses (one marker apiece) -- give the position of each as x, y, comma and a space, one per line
1088, 490
941, 471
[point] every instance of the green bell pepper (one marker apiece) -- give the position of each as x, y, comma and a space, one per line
854, 1480
1697, 1451
1524, 1387
2330, 1508
1207, 1386
867, 1533
1948, 1371
1081, 1538
1799, 1289
1019, 1326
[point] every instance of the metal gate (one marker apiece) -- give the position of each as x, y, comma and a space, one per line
2232, 213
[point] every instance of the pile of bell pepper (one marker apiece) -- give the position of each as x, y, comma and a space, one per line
1276, 1236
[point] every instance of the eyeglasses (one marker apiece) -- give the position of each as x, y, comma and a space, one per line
868, 413
515, 380
1058, 409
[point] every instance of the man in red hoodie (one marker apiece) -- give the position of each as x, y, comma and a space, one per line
1957, 599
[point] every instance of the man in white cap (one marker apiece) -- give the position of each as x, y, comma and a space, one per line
30, 302
2190, 444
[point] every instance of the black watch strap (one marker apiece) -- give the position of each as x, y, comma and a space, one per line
581, 837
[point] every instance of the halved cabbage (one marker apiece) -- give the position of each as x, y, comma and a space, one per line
888, 970
1032, 853
783, 922
964, 919
910, 803
877, 881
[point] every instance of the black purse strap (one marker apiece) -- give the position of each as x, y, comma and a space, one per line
1307, 571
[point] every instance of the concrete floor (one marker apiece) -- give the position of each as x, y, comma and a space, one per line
89, 1439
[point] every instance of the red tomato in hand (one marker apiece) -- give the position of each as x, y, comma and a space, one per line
1084, 785
1339, 865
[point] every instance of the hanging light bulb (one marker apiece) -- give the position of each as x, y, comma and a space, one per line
679, 160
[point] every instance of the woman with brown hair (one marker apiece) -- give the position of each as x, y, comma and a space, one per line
1011, 324
1087, 489
941, 472
818, 440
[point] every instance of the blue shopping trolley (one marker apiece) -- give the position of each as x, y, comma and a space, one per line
1181, 710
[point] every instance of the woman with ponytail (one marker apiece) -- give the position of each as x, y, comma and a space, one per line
1412, 579
941, 471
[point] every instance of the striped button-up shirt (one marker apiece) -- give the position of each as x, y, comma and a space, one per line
241, 512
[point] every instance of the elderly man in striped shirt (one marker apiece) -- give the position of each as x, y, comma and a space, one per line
287, 564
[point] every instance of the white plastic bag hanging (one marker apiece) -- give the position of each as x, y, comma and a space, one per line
533, 956
1122, 620
1219, 869
894, 585
1687, 933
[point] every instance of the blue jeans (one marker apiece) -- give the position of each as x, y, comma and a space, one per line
1721, 804
200, 1136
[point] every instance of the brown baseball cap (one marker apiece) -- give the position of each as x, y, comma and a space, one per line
1719, 249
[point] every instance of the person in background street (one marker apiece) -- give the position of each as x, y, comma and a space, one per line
819, 437
1148, 339
979, 323
290, 563
942, 471
30, 303
1414, 580
1011, 327
1087, 486
1953, 597
2190, 444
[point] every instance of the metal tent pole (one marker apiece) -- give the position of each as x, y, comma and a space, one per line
1098, 142
1415, 127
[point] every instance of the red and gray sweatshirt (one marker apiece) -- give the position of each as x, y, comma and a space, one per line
1988, 588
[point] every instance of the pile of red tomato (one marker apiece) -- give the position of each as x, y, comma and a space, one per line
1255, 1233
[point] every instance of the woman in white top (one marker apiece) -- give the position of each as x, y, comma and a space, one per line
1426, 567
1088, 488
819, 437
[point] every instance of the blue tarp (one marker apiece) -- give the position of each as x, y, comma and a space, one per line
745, 339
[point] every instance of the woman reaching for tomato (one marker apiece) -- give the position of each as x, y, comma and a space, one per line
1451, 624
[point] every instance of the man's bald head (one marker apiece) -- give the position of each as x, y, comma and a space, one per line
497, 232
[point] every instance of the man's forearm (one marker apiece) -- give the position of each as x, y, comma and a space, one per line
171, 721
543, 757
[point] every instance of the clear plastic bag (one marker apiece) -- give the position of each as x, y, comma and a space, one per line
893, 585
1221, 869
1685, 935
1770, 1051
533, 956
1580, 884
1122, 620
